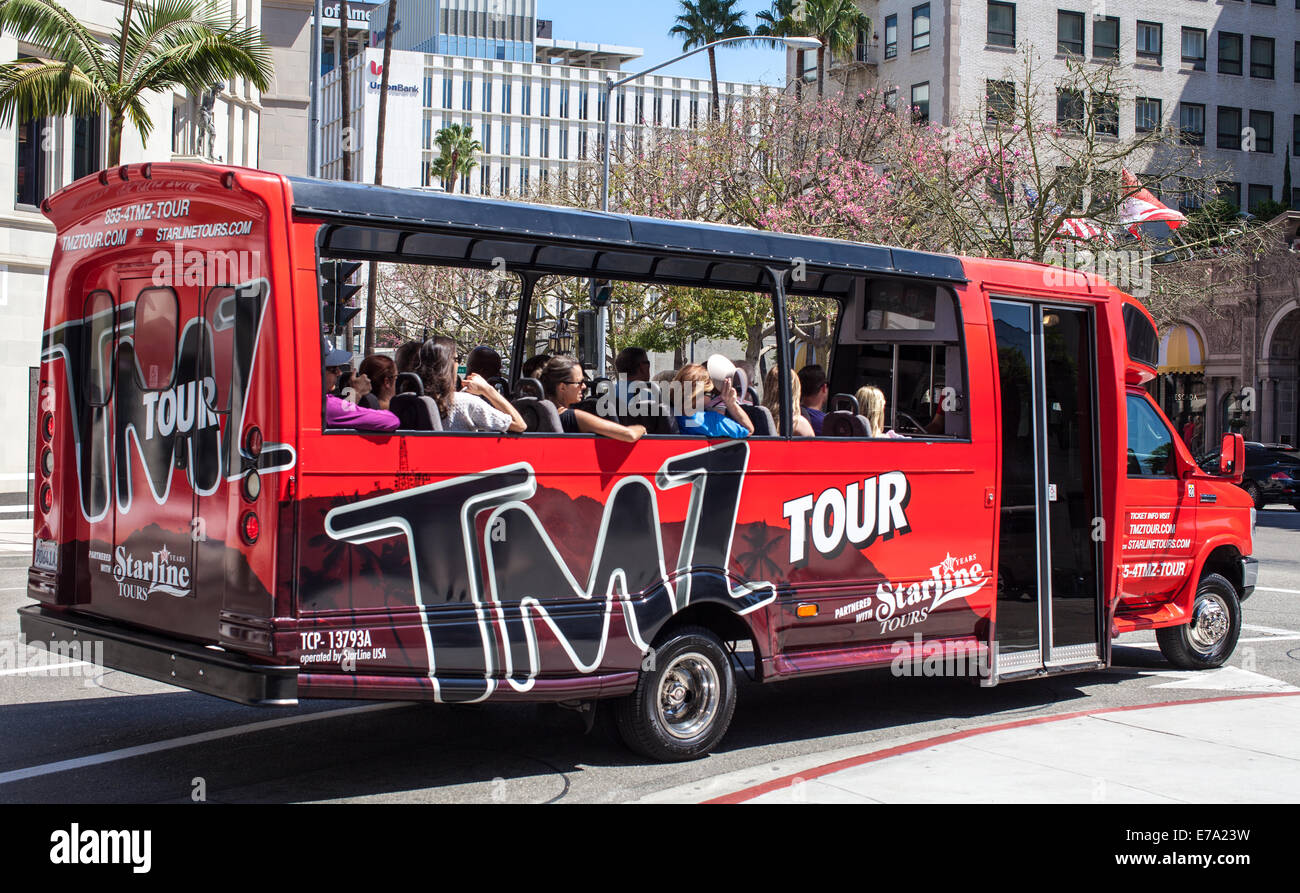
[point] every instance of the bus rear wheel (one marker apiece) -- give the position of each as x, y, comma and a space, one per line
684, 698
1211, 637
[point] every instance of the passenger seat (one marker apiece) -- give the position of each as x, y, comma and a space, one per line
538, 415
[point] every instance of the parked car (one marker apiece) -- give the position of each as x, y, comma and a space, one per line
1272, 473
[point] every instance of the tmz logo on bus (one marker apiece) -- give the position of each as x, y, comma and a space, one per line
181, 409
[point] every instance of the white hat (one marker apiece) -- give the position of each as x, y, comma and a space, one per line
720, 369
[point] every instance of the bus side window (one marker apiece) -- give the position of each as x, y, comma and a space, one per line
1150, 444
156, 314
904, 338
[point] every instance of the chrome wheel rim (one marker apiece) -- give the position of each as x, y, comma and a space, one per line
688, 696
1209, 621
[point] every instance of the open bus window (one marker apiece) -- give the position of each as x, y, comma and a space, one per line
906, 341
156, 314
100, 317
1150, 444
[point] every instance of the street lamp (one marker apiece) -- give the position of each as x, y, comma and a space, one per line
792, 43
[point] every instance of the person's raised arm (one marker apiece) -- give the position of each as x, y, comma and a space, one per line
728, 394
594, 424
479, 387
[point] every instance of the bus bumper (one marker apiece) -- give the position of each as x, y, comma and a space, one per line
1249, 575
225, 674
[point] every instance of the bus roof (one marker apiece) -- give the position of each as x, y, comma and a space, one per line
434, 227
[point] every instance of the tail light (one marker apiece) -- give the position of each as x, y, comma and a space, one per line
1279, 476
250, 527
47, 427
47, 497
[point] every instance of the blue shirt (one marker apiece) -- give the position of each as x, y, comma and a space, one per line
708, 423
816, 418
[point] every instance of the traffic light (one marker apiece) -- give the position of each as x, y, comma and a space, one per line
588, 323
336, 292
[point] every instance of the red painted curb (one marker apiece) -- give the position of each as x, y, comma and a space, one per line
875, 756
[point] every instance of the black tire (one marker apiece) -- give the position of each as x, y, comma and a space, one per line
1211, 637
684, 698
1256, 497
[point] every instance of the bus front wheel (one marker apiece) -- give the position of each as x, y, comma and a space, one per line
684, 698
1211, 637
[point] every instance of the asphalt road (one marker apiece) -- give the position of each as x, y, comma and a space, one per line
112, 738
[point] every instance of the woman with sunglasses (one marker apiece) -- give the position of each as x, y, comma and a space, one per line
565, 384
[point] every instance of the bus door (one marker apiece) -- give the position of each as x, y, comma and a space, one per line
1049, 601
158, 413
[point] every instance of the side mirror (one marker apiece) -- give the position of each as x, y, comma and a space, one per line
1232, 457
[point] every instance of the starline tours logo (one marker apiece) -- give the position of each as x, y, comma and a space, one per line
898, 605
163, 572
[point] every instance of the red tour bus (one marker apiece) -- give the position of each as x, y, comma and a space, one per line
197, 515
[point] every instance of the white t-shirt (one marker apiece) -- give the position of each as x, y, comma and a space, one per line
471, 413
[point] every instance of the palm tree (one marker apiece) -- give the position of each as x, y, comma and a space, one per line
705, 21
160, 45
381, 128
345, 90
836, 24
456, 149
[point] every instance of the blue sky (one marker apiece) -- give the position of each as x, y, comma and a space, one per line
645, 24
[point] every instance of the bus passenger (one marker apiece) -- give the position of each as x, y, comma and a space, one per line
476, 406
772, 400
812, 380
871, 403
407, 356
484, 362
564, 384
340, 413
382, 375
532, 368
698, 419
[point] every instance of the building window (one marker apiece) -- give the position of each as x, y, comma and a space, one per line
1228, 134
891, 37
1069, 32
526, 99
891, 100
485, 180
507, 91
1000, 101
1194, 49
582, 143
487, 137
1105, 113
677, 111
487, 96
601, 100
1069, 109
505, 137
1105, 38
1230, 192
1229, 53
1262, 124
1191, 123
36, 162
505, 179
695, 113
582, 102
546, 100
921, 103
638, 110
1002, 24
1149, 42
1257, 194
920, 26
1188, 197
86, 158
1261, 57
446, 90
659, 110
544, 137
467, 94
523, 139
564, 100
564, 143
1148, 114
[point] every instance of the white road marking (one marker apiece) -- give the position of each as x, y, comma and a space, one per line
13, 589
1271, 589
1224, 679
1271, 629
185, 741
43, 669
1239, 641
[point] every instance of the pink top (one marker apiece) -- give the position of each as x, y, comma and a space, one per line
340, 413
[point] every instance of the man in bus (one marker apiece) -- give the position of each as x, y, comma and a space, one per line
340, 413
484, 362
812, 380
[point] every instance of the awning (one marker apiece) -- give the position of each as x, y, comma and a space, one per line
1181, 350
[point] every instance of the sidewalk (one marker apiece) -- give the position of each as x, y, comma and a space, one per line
15, 536
1237, 749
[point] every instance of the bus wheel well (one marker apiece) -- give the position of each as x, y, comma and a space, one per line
1226, 562
727, 625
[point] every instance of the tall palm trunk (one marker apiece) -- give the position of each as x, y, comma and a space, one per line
345, 92
373, 270
116, 121
713, 78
